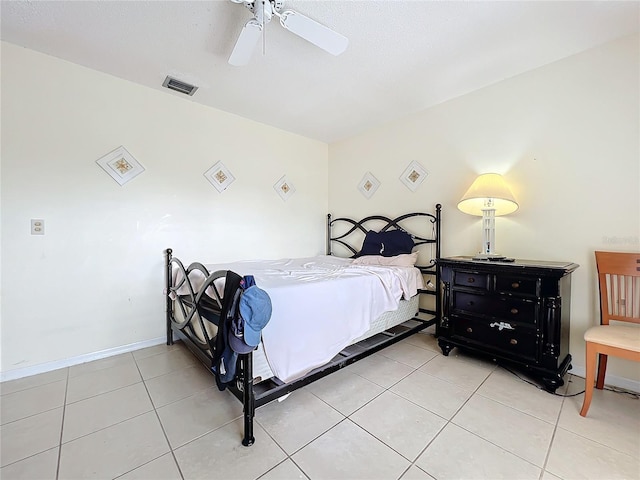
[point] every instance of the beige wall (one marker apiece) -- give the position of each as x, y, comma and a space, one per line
94, 281
566, 137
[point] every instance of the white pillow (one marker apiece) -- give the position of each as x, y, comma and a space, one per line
403, 260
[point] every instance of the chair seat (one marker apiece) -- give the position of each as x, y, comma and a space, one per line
618, 336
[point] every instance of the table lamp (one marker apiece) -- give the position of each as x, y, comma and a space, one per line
488, 196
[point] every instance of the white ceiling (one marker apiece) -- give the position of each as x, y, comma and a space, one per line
403, 56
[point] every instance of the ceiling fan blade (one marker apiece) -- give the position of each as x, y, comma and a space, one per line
246, 44
314, 32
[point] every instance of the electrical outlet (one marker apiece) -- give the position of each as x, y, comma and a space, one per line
37, 226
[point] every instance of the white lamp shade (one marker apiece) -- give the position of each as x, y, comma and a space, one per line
488, 191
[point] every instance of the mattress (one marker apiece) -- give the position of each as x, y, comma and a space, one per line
321, 305
407, 309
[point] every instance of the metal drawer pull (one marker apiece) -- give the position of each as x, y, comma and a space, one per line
469, 330
515, 285
514, 311
502, 326
471, 280
513, 341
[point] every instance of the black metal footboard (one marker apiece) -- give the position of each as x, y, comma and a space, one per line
187, 311
189, 308
191, 314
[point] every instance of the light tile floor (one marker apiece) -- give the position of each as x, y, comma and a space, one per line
407, 412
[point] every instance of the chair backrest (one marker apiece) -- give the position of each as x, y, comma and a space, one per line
619, 280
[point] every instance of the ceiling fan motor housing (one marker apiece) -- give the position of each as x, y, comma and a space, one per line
265, 6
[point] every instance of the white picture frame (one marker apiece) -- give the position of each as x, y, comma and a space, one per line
284, 188
120, 165
368, 185
413, 176
219, 176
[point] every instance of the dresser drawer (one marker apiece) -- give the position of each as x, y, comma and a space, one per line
517, 285
476, 280
506, 308
519, 342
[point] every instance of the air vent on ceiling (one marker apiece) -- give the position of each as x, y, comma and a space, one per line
178, 86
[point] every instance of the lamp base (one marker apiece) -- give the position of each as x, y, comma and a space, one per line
489, 256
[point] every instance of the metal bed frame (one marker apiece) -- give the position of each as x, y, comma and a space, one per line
196, 307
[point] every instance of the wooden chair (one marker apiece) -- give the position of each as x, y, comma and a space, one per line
619, 280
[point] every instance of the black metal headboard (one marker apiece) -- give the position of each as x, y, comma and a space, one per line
351, 239
351, 234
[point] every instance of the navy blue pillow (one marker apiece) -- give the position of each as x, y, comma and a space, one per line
387, 244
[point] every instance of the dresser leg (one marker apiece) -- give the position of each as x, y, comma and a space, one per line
446, 347
552, 383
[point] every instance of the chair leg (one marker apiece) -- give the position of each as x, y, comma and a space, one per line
602, 369
589, 377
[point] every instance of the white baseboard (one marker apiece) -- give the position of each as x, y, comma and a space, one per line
612, 380
69, 362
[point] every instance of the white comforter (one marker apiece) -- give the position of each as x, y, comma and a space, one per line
320, 305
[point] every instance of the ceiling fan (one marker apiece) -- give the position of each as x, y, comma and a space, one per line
301, 25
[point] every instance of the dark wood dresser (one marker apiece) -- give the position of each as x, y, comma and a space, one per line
516, 312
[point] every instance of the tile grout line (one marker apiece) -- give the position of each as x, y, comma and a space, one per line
28, 388
64, 409
385, 390
32, 414
555, 429
388, 389
155, 410
555, 426
448, 422
594, 440
345, 417
563, 404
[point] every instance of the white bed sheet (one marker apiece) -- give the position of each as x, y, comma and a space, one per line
321, 305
